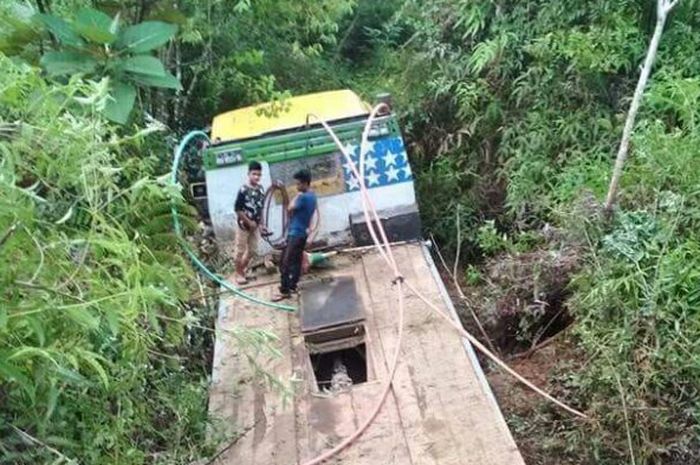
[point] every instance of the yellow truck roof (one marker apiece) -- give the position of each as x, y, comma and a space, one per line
252, 121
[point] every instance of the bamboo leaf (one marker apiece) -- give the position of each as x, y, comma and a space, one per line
66, 217
37, 329
71, 375
83, 317
92, 360
10, 372
30, 352
52, 400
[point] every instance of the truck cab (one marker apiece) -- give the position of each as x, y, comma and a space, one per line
287, 137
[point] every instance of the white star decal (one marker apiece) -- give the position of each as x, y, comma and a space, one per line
406, 171
392, 173
390, 159
346, 166
352, 182
372, 179
350, 149
370, 163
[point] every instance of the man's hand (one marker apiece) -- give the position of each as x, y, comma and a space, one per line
293, 203
250, 225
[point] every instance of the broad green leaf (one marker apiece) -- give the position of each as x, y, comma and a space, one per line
62, 30
144, 64
145, 36
94, 25
122, 97
83, 317
167, 81
65, 63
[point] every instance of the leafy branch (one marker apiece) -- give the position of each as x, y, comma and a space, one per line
96, 46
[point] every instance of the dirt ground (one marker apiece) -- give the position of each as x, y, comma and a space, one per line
523, 408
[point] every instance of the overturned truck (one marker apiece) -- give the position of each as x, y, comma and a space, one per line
338, 345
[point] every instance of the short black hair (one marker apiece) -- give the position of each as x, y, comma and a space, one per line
254, 166
303, 176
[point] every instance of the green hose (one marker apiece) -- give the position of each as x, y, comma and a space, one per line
186, 247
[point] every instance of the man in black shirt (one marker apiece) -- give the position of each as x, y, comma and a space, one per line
248, 207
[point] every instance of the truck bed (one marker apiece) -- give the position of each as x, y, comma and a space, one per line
440, 410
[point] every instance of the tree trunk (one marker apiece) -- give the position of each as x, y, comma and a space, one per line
663, 7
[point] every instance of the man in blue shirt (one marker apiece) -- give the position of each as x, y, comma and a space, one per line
301, 210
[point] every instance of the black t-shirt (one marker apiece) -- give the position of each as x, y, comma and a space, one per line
250, 201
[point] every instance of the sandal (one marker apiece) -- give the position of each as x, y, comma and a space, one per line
241, 280
278, 297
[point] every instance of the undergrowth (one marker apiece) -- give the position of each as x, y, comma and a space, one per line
513, 112
105, 337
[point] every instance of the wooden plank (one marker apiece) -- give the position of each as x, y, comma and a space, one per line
467, 388
420, 445
268, 422
383, 442
434, 381
461, 387
277, 442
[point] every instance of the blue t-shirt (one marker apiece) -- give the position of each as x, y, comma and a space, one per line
301, 215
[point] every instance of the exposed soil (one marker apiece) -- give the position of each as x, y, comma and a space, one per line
522, 303
523, 408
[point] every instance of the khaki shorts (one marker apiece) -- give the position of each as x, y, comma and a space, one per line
245, 243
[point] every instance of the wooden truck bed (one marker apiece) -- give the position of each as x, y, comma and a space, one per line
440, 409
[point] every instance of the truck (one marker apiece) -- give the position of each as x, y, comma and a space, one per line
337, 348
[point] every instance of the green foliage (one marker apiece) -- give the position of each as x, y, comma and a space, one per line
95, 45
637, 305
513, 110
490, 240
93, 335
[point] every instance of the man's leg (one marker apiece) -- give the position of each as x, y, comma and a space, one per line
297, 254
252, 249
284, 269
240, 255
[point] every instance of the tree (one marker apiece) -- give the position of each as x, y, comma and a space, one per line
96, 46
663, 7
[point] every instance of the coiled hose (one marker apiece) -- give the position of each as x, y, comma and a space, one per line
278, 242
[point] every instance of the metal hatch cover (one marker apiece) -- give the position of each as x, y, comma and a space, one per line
330, 302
